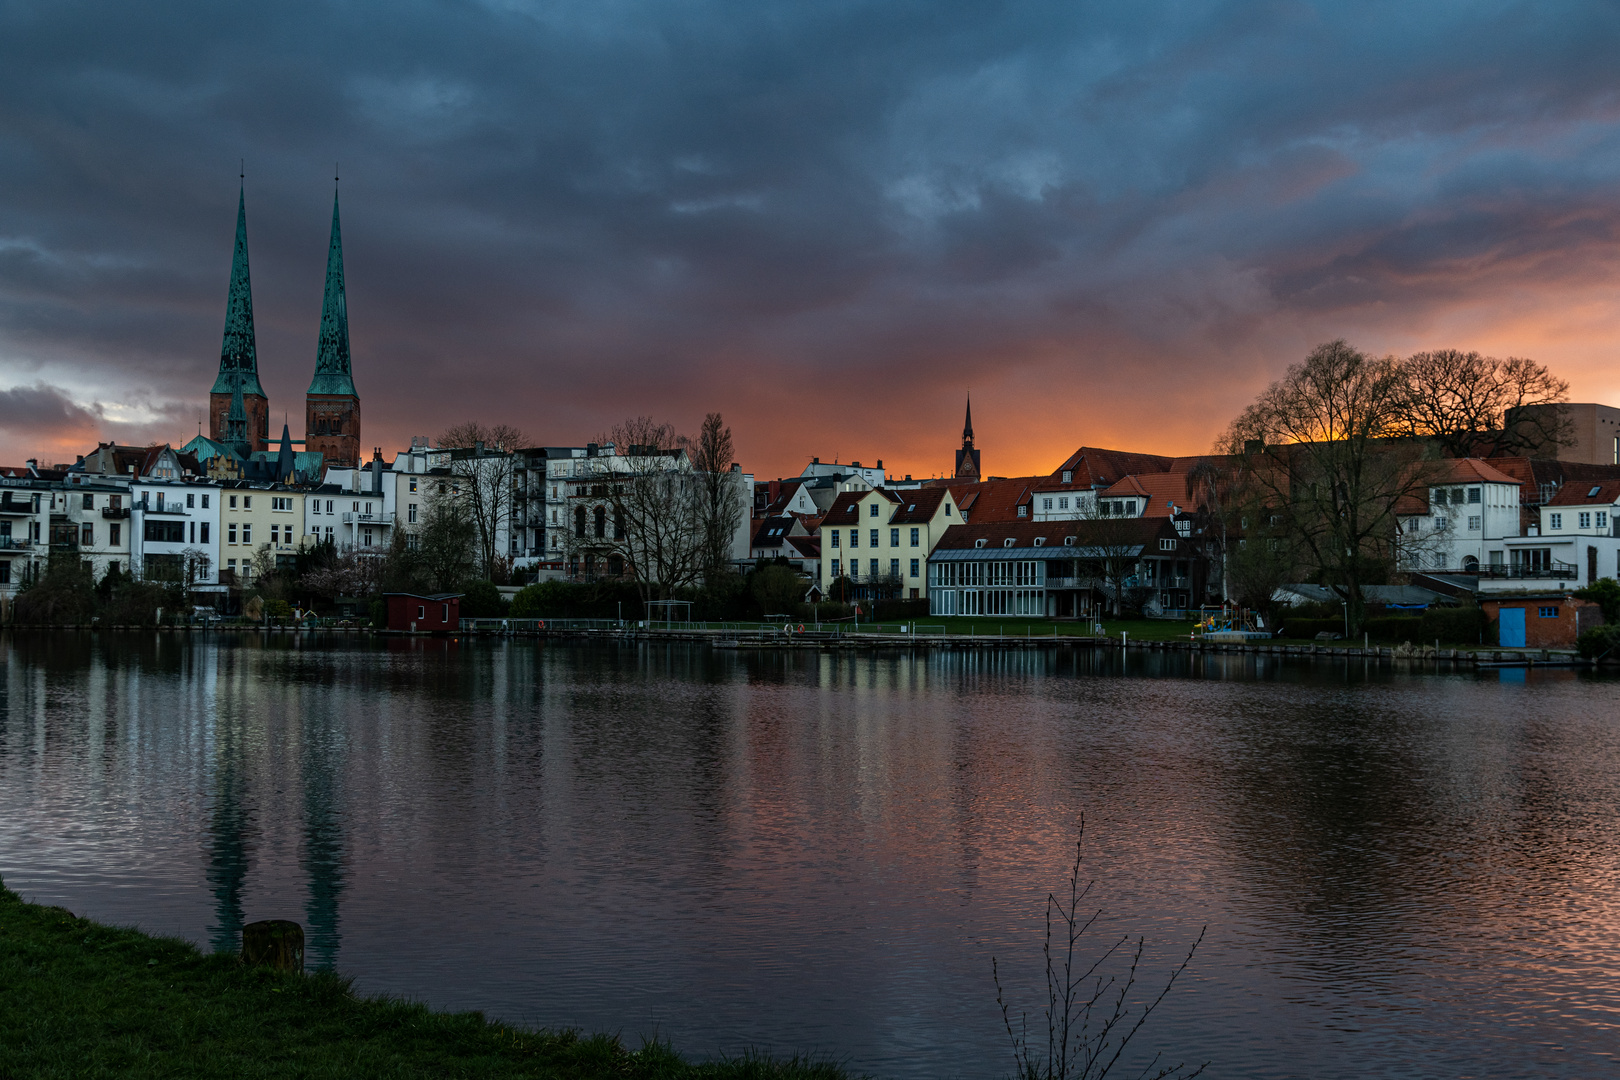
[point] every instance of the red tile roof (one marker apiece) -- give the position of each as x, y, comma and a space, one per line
1582, 493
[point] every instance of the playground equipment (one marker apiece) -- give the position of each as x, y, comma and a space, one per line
1230, 623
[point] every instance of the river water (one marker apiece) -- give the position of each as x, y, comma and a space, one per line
1401, 874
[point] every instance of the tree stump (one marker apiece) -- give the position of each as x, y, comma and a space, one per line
274, 943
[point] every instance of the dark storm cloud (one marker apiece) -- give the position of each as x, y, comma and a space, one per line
560, 213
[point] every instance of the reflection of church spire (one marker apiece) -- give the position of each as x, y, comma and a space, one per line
323, 844
228, 855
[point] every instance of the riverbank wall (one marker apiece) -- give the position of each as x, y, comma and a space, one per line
843, 640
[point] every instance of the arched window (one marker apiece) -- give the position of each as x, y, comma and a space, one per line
579, 522
601, 522
618, 524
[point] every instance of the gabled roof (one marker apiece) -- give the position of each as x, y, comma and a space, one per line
807, 546
840, 512
920, 505
1578, 493
1469, 471
993, 500
1096, 467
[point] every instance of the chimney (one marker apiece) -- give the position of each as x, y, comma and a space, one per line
815, 461
32, 463
880, 464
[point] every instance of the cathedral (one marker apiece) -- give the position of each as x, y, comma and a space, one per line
239, 411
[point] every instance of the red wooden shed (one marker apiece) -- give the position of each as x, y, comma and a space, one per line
422, 613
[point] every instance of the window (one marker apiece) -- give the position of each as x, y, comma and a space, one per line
874, 565
1040, 541
280, 503
315, 506
854, 538
978, 543
1473, 523
446, 615
1556, 522
872, 510
1547, 612
835, 540
89, 502
115, 534
894, 568
88, 539
421, 611
1023, 511
413, 486
579, 522
1166, 544
410, 514
873, 538
247, 533
233, 502
205, 500
1068, 476
1602, 520
203, 539
329, 534
275, 534
947, 509
1046, 504
1584, 521
164, 532
916, 537
191, 500
1063, 503
914, 567
5, 573
1473, 495
835, 568
247, 502
230, 533
328, 510
894, 537
1440, 523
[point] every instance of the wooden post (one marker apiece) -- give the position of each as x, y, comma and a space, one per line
274, 943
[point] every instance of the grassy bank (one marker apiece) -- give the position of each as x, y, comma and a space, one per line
82, 1000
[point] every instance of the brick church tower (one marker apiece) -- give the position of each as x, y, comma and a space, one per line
332, 408
238, 356
967, 458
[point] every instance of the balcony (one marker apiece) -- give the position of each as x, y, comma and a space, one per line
9, 543
163, 508
1556, 571
114, 513
350, 518
8, 505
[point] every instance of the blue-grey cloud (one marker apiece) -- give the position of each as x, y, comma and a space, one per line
826, 218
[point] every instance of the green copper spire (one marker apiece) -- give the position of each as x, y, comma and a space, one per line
239, 353
332, 375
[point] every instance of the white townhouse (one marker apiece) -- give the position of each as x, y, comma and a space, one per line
1575, 542
1464, 522
90, 514
174, 530
354, 509
24, 530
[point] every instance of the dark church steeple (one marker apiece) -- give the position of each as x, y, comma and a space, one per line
238, 353
967, 458
332, 408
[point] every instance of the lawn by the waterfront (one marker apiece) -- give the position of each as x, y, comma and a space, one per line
78, 999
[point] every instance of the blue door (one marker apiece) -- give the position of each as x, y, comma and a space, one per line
1510, 627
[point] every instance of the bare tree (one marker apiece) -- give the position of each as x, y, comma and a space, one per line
722, 499
1320, 449
469, 434
641, 510
1473, 405
344, 574
1111, 546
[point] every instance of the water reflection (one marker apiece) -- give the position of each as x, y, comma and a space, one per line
1402, 875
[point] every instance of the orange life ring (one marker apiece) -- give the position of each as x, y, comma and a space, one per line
801, 629
542, 624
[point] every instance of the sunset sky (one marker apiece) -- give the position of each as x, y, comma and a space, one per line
1114, 223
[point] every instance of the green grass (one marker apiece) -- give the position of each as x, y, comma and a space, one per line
82, 1000
1013, 626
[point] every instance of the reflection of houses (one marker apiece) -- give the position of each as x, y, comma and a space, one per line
1062, 569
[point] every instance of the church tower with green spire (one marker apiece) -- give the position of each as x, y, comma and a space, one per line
238, 354
332, 408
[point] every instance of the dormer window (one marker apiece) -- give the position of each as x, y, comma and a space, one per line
874, 512
1068, 541
1068, 476
978, 543
1007, 543
1023, 511
947, 509
1040, 541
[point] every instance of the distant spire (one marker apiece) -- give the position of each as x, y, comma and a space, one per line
967, 426
238, 353
285, 459
332, 373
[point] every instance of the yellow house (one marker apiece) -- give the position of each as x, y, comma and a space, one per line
880, 539
258, 518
